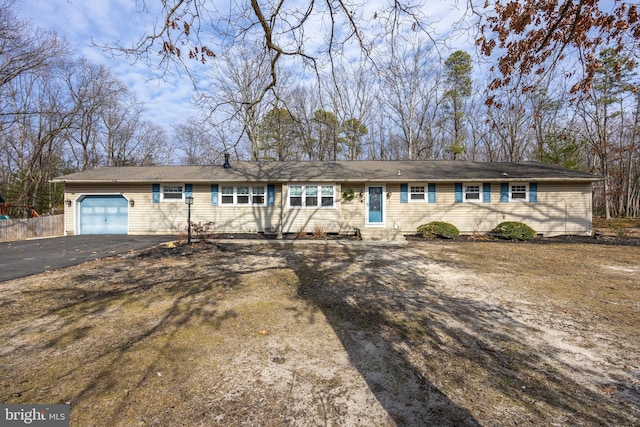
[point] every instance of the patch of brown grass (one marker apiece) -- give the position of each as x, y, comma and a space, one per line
319, 231
599, 281
440, 333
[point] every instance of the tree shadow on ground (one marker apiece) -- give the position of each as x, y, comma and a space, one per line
69, 318
407, 395
426, 355
394, 324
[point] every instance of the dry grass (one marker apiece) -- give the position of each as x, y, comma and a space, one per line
448, 333
598, 280
621, 227
319, 231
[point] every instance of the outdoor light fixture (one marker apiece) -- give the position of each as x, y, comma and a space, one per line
399, 173
189, 201
388, 194
361, 195
132, 203
68, 202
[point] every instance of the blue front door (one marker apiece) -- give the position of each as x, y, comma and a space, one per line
375, 205
104, 215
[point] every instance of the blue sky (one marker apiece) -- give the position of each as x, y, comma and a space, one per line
81, 22
106, 22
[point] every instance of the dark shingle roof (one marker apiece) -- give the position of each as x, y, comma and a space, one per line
340, 171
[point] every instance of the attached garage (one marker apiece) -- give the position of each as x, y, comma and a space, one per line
337, 197
104, 214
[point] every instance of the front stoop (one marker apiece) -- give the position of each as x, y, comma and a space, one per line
382, 234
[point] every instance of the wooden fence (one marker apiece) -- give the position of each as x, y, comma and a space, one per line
20, 229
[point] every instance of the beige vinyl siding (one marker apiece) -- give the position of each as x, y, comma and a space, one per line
236, 218
562, 208
146, 217
306, 219
352, 213
170, 217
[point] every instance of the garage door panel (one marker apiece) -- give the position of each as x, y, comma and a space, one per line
104, 215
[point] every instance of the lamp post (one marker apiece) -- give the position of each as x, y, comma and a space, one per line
189, 201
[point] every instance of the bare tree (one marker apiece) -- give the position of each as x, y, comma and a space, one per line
353, 97
510, 125
410, 93
197, 31
95, 94
153, 147
24, 50
237, 84
194, 142
33, 109
603, 113
303, 103
121, 118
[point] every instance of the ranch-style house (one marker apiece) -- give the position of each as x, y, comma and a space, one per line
381, 198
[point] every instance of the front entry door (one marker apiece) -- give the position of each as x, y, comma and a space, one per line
375, 205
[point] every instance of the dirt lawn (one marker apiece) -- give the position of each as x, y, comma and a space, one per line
332, 333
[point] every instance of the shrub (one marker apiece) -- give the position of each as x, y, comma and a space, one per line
319, 231
512, 230
203, 231
301, 233
440, 229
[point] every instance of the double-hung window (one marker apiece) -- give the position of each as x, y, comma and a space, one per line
257, 196
311, 196
295, 195
242, 195
227, 197
518, 192
472, 193
172, 193
417, 193
327, 196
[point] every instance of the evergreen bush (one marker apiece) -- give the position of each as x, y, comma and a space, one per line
512, 230
442, 230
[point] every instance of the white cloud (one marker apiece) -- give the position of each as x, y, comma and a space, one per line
105, 22
167, 101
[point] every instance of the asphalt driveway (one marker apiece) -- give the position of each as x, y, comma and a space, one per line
27, 257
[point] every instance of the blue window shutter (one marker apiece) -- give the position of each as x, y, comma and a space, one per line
458, 192
404, 193
214, 194
188, 190
533, 192
431, 193
486, 192
504, 192
156, 193
271, 195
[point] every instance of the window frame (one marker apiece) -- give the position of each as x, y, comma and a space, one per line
164, 199
424, 193
320, 194
526, 191
248, 191
256, 195
480, 192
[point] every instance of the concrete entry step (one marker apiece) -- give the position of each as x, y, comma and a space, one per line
382, 234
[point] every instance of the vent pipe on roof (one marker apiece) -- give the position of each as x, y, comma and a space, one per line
226, 163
